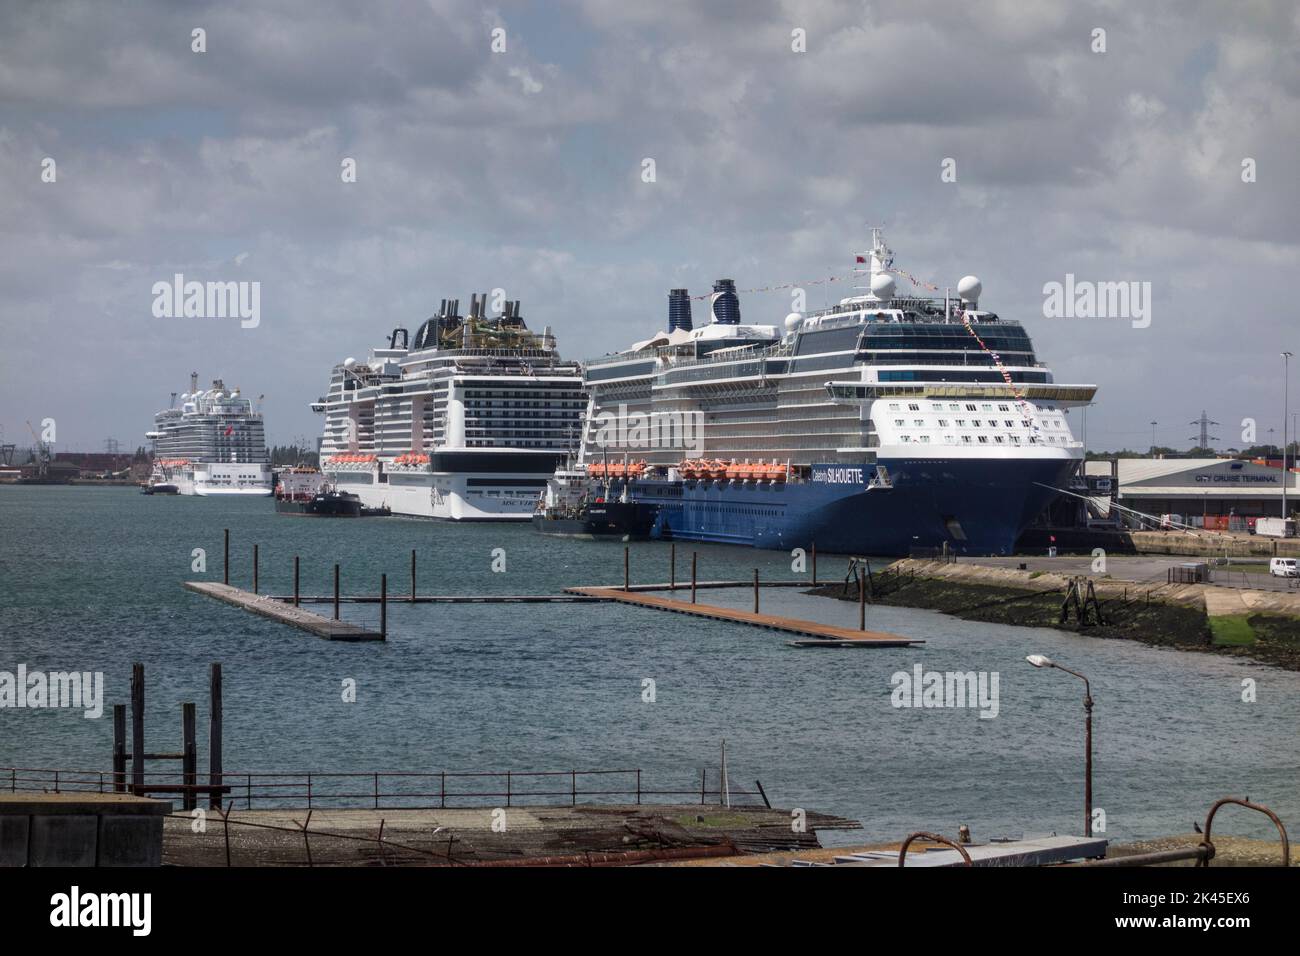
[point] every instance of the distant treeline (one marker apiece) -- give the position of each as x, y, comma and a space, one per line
1254, 451
294, 455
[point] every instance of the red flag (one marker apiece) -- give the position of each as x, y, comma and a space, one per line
860, 258
229, 430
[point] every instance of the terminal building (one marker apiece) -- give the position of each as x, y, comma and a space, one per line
1206, 492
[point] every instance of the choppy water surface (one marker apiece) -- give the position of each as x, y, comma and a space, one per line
90, 579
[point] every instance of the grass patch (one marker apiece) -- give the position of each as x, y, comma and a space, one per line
1232, 629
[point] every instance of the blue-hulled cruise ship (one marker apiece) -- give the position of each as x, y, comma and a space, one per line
883, 424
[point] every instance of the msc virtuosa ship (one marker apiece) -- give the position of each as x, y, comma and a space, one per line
213, 444
882, 424
465, 421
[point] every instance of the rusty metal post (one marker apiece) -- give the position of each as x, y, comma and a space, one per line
189, 758
1087, 781
119, 748
214, 735
756, 590
254, 569
862, 603
137, 728
627, 565
814, 563
225, 567
694, 555
295, 580
383, 605
935, 838
336, 592
412, 575
672, 566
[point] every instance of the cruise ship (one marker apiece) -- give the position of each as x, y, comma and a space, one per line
212, 444
886, 424
465, 421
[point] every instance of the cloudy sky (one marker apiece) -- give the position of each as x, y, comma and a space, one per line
523, 170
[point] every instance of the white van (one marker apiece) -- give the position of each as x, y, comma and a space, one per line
1284, 567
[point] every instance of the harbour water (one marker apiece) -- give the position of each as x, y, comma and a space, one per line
90, 580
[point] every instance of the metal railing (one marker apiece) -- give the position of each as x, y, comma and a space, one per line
385, 790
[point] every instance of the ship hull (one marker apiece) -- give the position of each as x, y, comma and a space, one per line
974, 507
615, 519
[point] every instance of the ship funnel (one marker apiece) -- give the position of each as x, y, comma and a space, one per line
726, 304
679, 310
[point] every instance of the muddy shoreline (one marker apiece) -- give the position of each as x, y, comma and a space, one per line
1180, 625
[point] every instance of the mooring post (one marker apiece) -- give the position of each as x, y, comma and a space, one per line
295, 580
225, 567
627, 551
412, 575
814, 563
254, 569
119, 748
336, 592
214, 735
383, 605
189, 758
137, 728
694, 555
862, 603
756, 590
672, 566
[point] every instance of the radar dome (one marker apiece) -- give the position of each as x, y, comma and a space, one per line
969, 289
793, 321
882, 286
349, 362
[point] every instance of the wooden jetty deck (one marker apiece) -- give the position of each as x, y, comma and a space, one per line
825, 635
277, 610
398, 598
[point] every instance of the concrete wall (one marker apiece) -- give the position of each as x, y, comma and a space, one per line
90, 829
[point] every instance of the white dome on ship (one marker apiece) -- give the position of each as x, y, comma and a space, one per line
793, 321
969, 289
349, 362
882, 286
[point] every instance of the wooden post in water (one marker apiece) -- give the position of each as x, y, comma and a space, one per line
254, 569
756, 590
672, 566
412, 575
814, 562
694, 555
862, 603
627, 551
383, 605
295, 580
214, 735
137, 728
119, 748
225, 567
189, 758
336, 592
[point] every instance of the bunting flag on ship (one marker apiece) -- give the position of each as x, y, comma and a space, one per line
1002, 369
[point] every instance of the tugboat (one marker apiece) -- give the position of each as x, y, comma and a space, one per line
575, 505
305, 491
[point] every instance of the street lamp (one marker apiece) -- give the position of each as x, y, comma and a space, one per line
1039, 660
1153, 439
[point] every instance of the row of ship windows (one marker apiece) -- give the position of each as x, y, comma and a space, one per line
984, 439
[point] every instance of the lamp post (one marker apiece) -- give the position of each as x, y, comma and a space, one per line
1153, 439
1039, 660
1286, 409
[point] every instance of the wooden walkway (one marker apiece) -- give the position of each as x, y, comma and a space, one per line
399, 598
825, 635
284, 613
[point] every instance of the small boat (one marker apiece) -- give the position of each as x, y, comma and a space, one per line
305, 491
160, 488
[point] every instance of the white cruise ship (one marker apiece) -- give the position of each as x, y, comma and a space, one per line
212, 444
466, 421
881, 425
